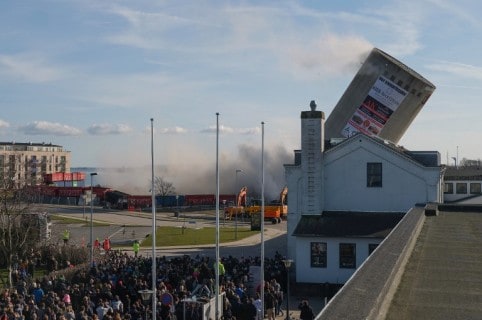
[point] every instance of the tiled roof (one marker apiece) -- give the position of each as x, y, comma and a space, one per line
463, 173
36, 144
348, 224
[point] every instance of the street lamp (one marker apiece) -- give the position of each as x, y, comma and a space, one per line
177, 206
146, 298
91, 222
287, 263
236, 210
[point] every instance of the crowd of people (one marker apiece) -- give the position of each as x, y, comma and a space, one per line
110, 289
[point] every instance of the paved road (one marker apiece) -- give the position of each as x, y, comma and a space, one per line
125, 226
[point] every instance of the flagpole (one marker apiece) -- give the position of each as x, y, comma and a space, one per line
153, 206
216, 263
262, 219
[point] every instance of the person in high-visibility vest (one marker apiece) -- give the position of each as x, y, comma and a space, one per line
135, 247
66, 236
222, 270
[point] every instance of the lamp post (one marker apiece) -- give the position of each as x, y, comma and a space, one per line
146, 298
287, 263
92, 174
154, 227
236, 211
177, 206
224, 210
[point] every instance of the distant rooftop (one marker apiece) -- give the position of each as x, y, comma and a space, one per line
463, 173
14, 143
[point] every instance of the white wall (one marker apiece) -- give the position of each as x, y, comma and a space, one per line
405, 182
332, 273
459, 196
293, 180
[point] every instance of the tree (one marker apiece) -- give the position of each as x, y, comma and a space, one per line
19, 225
470, 163
163, 187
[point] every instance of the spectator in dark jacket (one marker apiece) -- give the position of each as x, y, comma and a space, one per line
306, 312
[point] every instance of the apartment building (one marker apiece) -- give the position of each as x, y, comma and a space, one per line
26, 163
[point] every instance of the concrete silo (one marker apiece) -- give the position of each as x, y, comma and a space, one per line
382, 100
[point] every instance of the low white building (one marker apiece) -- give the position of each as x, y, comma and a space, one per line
343, 201
463, 184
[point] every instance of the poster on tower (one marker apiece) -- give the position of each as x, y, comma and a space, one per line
381, 102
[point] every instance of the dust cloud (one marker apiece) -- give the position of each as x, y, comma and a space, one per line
200, 178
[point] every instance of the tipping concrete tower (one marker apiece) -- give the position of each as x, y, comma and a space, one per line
382, 100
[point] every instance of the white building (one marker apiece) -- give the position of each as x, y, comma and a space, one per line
344, 200
463, 185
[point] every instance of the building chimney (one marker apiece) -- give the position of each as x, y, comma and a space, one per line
312, 147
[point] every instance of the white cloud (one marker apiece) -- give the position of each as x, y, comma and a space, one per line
4, 124
222, 129
328, 55
174, 130
458, 10
255, 32
28, 67
108, 129
458, 69
145, 29
249, 131
229, 130
53, 128
404, 22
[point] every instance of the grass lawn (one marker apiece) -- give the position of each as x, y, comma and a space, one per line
174, 236
69, 220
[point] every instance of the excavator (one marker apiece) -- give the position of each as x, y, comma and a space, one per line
276, 211
238, 208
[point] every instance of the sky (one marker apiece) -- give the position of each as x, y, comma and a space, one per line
89, 76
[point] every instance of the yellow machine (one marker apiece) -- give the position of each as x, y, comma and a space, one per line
238, 208
274, 211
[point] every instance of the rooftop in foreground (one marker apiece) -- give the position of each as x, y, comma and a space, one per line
430, 267
443, 277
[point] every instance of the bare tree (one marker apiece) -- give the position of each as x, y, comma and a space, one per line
163, 187
470, 163
19, 232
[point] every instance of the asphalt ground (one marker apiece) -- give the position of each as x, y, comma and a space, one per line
125, 226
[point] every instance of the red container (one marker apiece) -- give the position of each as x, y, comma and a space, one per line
199, 199
230, 198
70, 191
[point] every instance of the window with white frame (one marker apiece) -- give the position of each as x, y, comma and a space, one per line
475, 188
348, 255
318, 254
448, 188
374, 174
461, 188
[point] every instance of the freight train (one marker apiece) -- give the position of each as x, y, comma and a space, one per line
135, 202
120, 200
